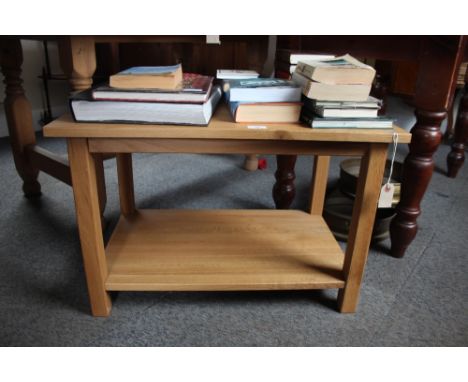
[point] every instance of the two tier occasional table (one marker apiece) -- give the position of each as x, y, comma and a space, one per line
216, 250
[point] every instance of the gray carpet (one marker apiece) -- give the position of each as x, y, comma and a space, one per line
420, 300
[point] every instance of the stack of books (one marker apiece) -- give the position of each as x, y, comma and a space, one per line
336, 94
156, 94
287, 60
264, 100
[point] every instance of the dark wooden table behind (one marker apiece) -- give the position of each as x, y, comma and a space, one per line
439, 58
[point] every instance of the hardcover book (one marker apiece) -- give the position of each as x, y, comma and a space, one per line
371, 103
196, 88
227, 74
85, 109
262, 90
317, 122
148, 77
344, 109
282, 74
346, 113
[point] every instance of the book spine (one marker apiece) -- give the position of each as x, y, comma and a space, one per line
306, 70
233, 109
303, 82
309, 103
306, 118
70, 102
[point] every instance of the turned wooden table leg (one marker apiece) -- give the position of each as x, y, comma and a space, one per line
18, 115
251, 162
417, 172
456, 157
435, 88
284, 189
78, 61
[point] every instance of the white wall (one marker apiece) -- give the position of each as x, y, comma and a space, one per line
33, 61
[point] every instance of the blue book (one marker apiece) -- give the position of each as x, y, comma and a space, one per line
151, 70
262, 90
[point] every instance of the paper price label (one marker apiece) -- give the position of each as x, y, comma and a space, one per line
256, 127
386, 195
213, 39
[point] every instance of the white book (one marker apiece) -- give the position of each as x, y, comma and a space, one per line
343, 70
296, 57
371, 103
347, 113
87, 110
329, 92
262, 90
348, 124
231, 74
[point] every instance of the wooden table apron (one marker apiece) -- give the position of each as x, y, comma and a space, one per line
82, 153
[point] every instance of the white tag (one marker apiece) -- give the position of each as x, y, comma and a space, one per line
386, 195
212, 39
256, 127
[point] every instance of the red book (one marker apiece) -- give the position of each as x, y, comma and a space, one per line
195, 88
282, 74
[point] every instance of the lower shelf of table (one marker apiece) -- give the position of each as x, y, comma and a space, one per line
208, 250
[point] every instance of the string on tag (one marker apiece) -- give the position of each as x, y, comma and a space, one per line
395, 144
388, 189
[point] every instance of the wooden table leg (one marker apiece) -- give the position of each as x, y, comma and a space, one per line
18, 115
417, 172
251, 162
456, 157
85, 189
435, 88
78, 61
126, 190
319, 184
362, 222
284, 189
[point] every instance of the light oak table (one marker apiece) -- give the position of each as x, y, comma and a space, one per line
208, 250
439, 58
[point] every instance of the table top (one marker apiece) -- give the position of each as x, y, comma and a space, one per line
221, 126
